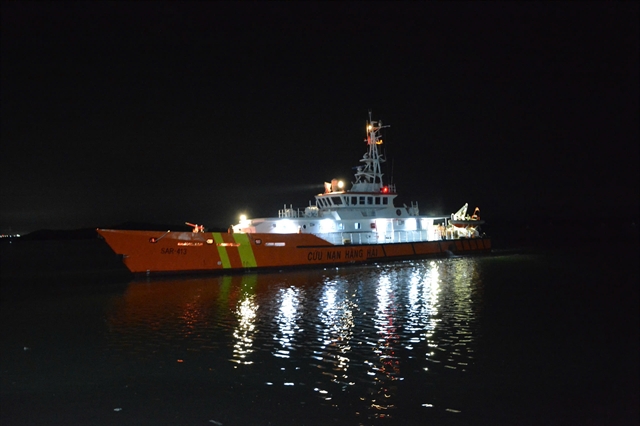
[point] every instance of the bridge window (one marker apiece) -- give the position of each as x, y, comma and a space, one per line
369, 200
361, 200
337, 200
385, 200
357, 225
378, 201
354, 201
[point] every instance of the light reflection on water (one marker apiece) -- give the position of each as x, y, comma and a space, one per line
335, 331
355, 339
244, 333
287, 319
489, 340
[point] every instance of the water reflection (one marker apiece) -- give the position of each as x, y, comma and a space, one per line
287, 321
351, 339
424, 288
153, 317
459, 321
386, 368
246, 311
335, 329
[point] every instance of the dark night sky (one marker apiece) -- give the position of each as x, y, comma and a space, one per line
172, 112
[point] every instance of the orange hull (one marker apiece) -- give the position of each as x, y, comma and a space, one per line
157, 251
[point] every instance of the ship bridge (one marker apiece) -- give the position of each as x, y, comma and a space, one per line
354, 200
369, 195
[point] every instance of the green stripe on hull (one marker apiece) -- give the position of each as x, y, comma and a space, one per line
245, 250
222, 251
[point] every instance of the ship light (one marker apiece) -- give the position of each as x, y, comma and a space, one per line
326, 225
385, 189
243, 218
336, 185
287, 226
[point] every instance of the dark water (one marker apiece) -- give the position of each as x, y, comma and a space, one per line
510, 339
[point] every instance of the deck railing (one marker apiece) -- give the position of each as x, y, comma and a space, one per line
341, 238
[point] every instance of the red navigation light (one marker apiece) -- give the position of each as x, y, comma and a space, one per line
385, 189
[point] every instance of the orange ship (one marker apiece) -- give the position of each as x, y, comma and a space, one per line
358, 225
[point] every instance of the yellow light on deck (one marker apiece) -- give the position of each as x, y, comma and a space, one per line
243, 217
340, 184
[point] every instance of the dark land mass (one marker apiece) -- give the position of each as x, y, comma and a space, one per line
506, 233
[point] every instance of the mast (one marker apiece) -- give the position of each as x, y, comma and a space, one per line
369, 175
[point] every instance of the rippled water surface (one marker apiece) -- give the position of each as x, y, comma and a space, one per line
513, 339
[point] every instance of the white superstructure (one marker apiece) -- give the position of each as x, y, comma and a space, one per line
365, 214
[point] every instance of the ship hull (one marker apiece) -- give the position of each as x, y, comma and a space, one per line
150, 252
